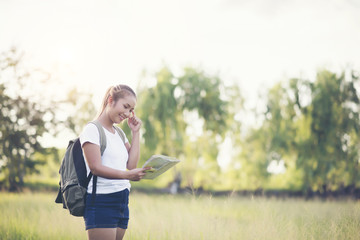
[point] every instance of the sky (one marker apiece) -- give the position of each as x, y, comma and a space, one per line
253, 43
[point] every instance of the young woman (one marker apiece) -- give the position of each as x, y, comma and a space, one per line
107, 214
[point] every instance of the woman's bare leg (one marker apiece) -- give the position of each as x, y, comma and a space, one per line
120, 233
102, 234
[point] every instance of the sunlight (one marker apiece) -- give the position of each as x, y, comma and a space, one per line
65, 55
276, 167
225, 153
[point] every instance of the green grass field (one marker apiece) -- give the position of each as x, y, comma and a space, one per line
36, 216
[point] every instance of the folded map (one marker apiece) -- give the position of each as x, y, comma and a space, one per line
159, 164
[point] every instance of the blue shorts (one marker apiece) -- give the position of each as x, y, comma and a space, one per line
107, 210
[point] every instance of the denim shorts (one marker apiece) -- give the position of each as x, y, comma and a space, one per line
107, 210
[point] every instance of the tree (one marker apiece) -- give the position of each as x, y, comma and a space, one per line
165, 110
22, 120
161, 117
313, 127
79, 108
273, 141
329, 156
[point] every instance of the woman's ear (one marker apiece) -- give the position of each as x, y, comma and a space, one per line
110, 100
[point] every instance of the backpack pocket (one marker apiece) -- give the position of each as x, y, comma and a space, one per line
74, 197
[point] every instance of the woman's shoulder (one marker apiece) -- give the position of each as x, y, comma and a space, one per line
90, 133
90, 127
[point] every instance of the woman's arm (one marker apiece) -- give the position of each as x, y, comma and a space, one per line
134, 149
93, 159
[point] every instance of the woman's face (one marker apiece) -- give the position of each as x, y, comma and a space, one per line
122, 109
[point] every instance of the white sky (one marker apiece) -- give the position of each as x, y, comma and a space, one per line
254, 43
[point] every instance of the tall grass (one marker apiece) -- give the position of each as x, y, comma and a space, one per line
36, 216
164, 217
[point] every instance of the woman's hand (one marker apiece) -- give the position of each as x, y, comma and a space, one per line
137, 173
134, 123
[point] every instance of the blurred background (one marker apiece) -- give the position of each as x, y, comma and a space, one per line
252, 96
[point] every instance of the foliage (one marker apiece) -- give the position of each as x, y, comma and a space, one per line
23, 121
79, 109
309, 126
28, 116
161, 116
313, 127
169, 110
329, 155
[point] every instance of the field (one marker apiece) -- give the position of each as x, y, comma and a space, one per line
166, 217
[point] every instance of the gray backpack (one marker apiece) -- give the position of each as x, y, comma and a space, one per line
73, 175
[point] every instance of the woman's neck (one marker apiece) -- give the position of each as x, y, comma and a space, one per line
105, 121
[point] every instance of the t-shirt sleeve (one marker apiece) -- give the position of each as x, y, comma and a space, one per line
90, 134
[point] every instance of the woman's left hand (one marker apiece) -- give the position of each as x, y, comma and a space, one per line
134, 123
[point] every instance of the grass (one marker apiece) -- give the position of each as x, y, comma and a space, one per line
36, 216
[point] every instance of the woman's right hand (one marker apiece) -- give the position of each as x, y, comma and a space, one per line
137, 173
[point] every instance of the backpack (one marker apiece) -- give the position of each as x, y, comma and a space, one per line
73, 175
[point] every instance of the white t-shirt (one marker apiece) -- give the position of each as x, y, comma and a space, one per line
115, 156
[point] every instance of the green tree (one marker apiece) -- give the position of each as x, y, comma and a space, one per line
330, 154
313, 127
165, 110
22, 120
79, 109
161, 117
272, 141
205, 97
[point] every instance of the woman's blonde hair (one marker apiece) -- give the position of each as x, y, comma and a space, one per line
116, 92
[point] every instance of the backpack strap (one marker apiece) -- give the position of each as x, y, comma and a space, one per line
102, 136
121, 133
102, 149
